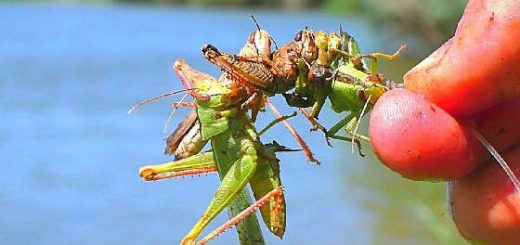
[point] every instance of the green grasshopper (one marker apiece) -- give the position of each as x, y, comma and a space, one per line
326, 66
259, 80
187, 141
234, 140
350, 87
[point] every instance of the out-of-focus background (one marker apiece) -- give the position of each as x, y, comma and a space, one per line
70, 70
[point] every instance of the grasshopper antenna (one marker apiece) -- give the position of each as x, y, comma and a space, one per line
498, 157
152, 99
274, 122
256, 22
175, 107
363, 111
258, 27
307, 151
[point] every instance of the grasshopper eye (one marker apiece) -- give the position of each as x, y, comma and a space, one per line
201, 98
209, 48
210, 52
298, 36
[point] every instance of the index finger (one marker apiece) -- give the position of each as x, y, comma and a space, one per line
480, 66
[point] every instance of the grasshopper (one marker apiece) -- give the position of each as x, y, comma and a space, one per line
351, 86
187, 141
234, 140
259, 80
315, 67
260, 72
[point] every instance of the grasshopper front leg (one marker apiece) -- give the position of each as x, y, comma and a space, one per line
390, 57
349, 122
234, 181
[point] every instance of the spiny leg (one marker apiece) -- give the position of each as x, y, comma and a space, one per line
316, 125
332, 132
357, 58
265, 179
249, 101
175, 106
349, 122
195, 165
391, 57
234, 181
354, 131
274, 122
277, 192
255, 102
349, 129
295, 134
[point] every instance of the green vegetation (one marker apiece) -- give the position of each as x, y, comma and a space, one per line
434, 21
406, 212
430, 20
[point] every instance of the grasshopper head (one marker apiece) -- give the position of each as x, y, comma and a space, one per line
210, 52
197, 78
258, 43
334, 42
321, 40
305, 45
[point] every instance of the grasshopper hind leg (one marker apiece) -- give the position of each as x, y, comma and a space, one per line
233, 182
316, 125
275, 193
297, 137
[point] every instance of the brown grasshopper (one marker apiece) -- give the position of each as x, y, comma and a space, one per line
270, 73
264, 73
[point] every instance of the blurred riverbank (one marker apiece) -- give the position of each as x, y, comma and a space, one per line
71, 153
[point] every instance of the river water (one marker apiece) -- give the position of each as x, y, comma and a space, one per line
70, 153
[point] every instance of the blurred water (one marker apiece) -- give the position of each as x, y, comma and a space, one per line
70, 153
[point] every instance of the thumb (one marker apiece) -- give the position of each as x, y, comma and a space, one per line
419, 140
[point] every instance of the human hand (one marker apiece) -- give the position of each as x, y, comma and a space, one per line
475, 79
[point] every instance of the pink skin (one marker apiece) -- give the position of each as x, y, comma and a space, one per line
478, 67
419, 140
472, 80
485, 206
471, 90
